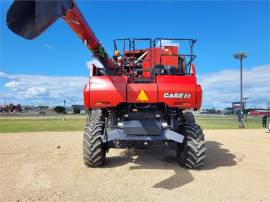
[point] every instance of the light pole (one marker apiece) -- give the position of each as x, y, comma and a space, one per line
240, 56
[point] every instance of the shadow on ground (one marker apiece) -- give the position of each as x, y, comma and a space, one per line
162, 158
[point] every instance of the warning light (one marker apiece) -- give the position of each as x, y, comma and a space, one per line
142, 97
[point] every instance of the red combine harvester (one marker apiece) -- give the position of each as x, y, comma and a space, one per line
138, 98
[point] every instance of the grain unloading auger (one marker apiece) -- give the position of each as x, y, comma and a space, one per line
139, 98
30, 18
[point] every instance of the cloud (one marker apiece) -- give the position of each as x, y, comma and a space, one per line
219, 88
222, 88
167, 43
42, 90
3, 75
12, 85
35, 91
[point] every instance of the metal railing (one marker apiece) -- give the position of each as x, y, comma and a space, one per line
129, 46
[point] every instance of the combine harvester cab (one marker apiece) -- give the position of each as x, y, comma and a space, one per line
139, 98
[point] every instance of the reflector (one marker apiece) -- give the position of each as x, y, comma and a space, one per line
142, 97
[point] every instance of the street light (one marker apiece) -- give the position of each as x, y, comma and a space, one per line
240, 56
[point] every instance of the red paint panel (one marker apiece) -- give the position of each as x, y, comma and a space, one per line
181, 85
106, 91
133, 90
169, 56
154, 57
199, 97
176, 79
109, 91
86, 97
148, 61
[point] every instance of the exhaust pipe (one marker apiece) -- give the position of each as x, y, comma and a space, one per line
30, 18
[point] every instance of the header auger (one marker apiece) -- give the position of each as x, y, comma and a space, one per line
139, 98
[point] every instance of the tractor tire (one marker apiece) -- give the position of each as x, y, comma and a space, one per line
109, 123
188, 118
192, 153
94, 153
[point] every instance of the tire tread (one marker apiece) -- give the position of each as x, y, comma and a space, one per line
93, 148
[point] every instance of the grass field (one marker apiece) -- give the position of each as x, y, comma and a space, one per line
226, 122
76, 123
42, 124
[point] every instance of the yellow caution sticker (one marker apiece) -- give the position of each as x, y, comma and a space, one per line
142, 97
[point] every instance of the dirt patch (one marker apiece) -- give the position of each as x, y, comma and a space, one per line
48, 167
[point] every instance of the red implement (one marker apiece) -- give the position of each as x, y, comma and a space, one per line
139, 98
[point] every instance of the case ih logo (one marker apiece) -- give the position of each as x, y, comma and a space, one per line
177, 95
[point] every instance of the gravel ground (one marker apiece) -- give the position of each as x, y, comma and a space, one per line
48, 167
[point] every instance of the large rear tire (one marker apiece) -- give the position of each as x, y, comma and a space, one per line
188, 118
192, 153
93, 149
